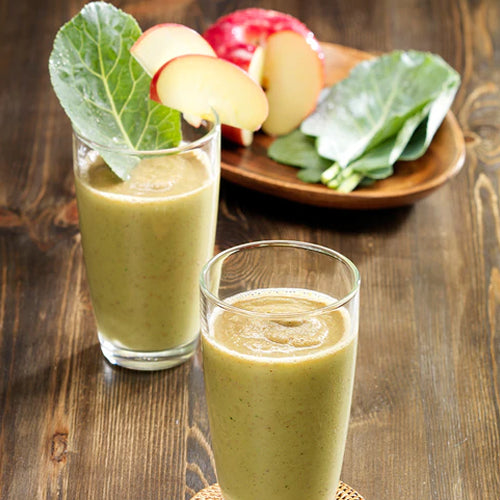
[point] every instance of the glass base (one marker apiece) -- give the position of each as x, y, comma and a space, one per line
147, 361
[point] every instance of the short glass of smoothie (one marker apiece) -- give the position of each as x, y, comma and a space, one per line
145, 240
279, 338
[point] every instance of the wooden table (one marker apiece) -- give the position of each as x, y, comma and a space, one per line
426, 411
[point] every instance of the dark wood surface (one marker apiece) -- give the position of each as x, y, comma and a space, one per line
426, 410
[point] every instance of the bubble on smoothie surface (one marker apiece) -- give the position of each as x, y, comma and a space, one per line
306, 333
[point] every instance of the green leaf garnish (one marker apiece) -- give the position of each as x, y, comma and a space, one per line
104, 90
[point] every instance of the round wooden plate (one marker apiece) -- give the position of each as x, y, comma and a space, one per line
250, 167
213, 492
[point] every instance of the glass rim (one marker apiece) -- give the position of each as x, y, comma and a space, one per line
183, 147
336, 304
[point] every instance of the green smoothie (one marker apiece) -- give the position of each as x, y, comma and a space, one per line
279, 395
145, 240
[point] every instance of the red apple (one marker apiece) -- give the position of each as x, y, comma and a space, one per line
197, 85
242, 36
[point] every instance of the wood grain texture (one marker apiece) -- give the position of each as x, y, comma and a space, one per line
426, 409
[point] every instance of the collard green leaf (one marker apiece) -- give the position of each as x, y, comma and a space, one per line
310, 175
378, 173
382, 157
424, 134
297, 149
376, 100
104, 91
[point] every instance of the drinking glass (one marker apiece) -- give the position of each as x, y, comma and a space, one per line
145, 241
279, 338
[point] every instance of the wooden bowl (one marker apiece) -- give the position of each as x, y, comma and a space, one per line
250, 167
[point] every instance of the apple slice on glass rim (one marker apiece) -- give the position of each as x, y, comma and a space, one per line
197, 84
163, 42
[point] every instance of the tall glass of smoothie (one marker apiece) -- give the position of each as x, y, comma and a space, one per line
146, 177
145, 240
279, 337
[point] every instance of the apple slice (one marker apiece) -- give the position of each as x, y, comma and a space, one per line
197, 84
254, 66
239, 136
293, 79
163, 42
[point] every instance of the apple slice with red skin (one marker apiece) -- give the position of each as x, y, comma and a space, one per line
163, 42
254, 68
198, 84
293, 79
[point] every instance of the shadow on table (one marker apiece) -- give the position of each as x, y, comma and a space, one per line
276, 211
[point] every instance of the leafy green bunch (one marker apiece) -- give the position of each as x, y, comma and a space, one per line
387, 109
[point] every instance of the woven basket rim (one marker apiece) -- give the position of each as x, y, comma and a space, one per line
212, 492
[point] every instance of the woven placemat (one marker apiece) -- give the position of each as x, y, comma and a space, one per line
213, 492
